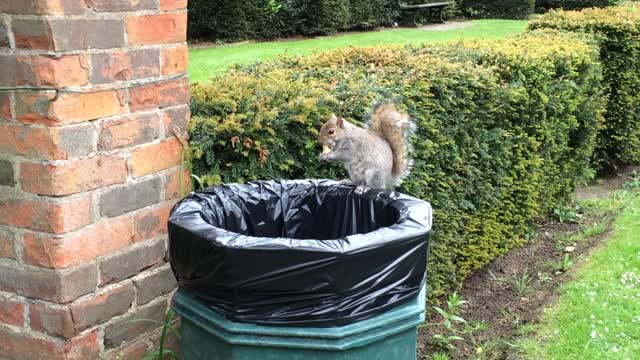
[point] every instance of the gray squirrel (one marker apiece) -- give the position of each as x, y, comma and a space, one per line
376, 156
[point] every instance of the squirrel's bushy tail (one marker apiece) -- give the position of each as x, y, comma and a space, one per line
396, 128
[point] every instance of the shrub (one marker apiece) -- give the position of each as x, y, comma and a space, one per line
619, 32
501, 9
504, 129
545, 5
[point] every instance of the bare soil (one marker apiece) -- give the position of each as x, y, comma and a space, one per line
495, 300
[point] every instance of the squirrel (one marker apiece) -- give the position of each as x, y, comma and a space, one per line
376, 156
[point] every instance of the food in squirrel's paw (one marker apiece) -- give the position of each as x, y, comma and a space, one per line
326, 149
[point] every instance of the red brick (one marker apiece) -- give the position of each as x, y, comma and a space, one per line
7, 244
151, 223
158, 95
32, 33
133, 351
125, 65
5, 105
43, 70
46, 216
169, 5
75, 107
176, 117
127, 132
47, 143
59, 286
103, 307
131, 261
21, 345
83, 347
88, 244
121, 5
175, 60
172, 187
74, 177
43, 107
157, 157
132, 325
157, 29
43, 7
152, 285
55, 321
11, 312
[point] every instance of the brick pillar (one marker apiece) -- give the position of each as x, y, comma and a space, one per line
90, 91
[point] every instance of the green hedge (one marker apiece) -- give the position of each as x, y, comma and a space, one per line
500, 9
505, 130
266, 19
619, 32
545, 5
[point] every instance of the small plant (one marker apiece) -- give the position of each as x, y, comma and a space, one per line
439, 356
565, 264
595, 229
634, 183
168, 328
522, 285
567, 214
448, 328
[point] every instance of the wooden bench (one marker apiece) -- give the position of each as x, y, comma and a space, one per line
435, 10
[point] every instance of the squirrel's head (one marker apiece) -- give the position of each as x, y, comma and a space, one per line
332, 131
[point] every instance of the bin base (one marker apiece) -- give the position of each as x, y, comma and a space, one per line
207, 335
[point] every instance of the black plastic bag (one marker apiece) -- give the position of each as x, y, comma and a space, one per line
299, 253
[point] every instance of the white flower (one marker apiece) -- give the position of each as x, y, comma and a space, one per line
614, 349
593, 334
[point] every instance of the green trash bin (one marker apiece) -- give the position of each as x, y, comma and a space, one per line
299, 269
208, 336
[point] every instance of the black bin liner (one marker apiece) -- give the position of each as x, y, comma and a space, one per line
300, 252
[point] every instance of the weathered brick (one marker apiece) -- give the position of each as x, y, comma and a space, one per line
88, 244
127, 132
83, 347
131, 197
7, 244
131, 326
125, 65
151, 223
80, 34
103, 307
61, 71
32, 33
155, 95
157, 157
5, 105
157, 29
175, 60
47, 216
43, 107
133, 351
4, 35
58, 286
47, 143
52, 320
176, 117
15, 344
152, 286
172, 184
11, 311
74, 177
78, 107
7, 177
121, 5
33, 106
170, 5
43, 7
131, 262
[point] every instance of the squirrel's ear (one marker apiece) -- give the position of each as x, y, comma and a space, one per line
340, 122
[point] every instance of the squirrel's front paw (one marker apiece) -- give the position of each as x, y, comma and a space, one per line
361, 189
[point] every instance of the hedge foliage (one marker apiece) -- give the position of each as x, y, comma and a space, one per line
267, 19
505, 129
545, 5
619, 32
500, 9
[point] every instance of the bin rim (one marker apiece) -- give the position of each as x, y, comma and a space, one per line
415, 219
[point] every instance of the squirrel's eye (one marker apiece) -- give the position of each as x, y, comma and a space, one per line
332, 131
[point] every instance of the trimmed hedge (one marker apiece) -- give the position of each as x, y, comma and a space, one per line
619, 32
505, 130
268, 19
499, 9
545, 5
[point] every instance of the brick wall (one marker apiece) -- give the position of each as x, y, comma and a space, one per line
90, 92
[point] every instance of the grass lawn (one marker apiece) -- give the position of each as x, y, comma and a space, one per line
598, 313
205, 62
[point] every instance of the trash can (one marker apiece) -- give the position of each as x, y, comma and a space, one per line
300, 269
